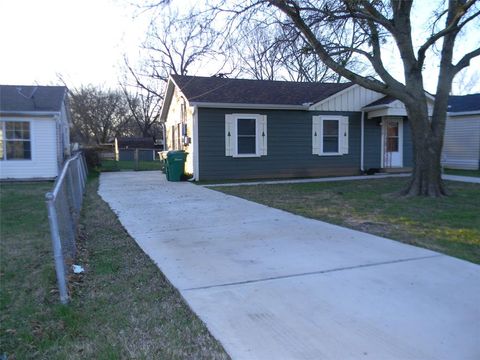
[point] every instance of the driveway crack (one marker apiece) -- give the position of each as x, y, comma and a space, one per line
281, 277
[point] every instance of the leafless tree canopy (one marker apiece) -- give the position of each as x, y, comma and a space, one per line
98, 115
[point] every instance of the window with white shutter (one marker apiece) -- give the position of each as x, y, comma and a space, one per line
329, 135
245, 135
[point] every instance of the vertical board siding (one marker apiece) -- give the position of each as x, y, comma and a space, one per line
352, 99
461, 147
289, 147
44, 162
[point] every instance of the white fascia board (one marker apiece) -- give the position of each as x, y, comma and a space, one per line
30, 113
334, 96
376, 107
463, 113
167, 99
249, 106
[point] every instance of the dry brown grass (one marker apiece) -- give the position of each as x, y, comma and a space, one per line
121, 308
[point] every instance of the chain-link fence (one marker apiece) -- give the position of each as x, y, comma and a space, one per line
64, 203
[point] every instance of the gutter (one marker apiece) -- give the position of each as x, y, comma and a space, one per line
462, 113
29, 113
362, 141
250, 106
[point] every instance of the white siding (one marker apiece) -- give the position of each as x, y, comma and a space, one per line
173, 118
395, 108
44, 153
351, 99
461, 147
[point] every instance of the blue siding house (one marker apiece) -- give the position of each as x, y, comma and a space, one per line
250, 129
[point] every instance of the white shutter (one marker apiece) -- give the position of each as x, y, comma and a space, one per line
343, 135
230, 135
316, 135
262, 135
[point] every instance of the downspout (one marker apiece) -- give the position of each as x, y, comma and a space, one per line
196, 165
362, 140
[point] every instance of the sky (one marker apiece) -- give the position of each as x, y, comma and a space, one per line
84, 41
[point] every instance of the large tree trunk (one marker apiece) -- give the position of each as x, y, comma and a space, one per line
426, 177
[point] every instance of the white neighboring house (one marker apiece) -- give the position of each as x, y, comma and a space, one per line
34, 131
461, 147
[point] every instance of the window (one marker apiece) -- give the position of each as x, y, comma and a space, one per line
245, 135
330, 135
392, 136
15, 143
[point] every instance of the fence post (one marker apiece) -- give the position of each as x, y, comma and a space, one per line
136, 158
57, 248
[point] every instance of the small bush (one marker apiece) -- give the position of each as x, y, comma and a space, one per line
92, 157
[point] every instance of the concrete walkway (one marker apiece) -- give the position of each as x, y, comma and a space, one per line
467, 179
272, 285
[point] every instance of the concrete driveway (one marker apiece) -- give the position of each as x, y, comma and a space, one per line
272, 285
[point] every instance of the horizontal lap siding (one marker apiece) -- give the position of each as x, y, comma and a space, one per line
372, 143
289, 147
461, 147
44, 153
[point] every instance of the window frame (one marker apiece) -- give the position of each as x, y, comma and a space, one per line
3, 124
338, 119
257, 118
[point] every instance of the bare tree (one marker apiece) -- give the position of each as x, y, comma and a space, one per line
465, 82
144, 108
98, 115
327, 25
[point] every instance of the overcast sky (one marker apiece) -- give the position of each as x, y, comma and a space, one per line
83, 40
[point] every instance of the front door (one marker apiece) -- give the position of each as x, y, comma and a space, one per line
392, 142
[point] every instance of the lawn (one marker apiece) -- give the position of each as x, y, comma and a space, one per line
450, 225
474, 173
112, 165
122, 307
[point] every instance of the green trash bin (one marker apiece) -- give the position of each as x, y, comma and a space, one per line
175, 165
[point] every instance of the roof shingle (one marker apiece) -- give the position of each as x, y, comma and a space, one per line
243, 91
464, 103
31, 98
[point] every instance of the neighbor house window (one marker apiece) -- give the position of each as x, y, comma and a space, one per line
15, 142
245, 135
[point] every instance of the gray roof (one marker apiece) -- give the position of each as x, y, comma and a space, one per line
382, 101
242, 91
465, 103
17, 98
456, 103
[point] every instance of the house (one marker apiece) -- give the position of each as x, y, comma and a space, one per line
34, 131
245, 129
461, 146
125, 148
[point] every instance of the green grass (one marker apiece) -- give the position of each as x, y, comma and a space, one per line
474, 173
450, 224
112, 165
122, 307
